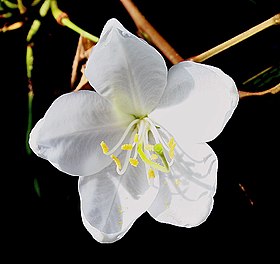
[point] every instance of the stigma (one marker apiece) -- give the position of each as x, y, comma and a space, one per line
145, 145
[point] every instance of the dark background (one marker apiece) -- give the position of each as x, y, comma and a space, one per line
247, 148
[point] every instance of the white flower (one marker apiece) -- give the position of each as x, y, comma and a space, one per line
138, 142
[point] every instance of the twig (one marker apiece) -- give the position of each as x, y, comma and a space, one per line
275, 20
146, 29
272, 90
82, 53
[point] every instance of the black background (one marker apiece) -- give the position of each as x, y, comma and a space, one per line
247, 148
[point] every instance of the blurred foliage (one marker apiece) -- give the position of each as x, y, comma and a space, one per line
264, 80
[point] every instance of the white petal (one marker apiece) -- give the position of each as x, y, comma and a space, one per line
185, 197
70, 133
110, 203
201, 100
101, 236
126, 70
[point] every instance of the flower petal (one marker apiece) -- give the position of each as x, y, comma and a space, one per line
110, 203
126, 70
185, 197
70, 133
201, 100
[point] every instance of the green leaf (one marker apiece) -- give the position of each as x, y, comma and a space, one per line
37, 187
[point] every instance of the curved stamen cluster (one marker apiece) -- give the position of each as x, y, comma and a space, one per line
145, 142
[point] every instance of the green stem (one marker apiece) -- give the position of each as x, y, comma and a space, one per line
83, 33
29, 122
29, 67
63, 19
36, 23
29, 60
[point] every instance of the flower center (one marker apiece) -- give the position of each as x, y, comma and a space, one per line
145, 143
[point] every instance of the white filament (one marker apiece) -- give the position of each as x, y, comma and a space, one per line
123, 137
156, 135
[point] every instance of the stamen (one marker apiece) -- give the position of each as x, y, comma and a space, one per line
177, 182
151, 173
141, 129
104, 147
133, 162
171, 144
139, 142
136, 138
153, 130
127, 156
123, 137
156, 135
117, 161
171, 153
127, 147
135, 153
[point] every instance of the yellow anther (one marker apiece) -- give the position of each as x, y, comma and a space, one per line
133, 162
104, 147
127, 147
177, 182
149, 147
151, 173
120, 210
136, 138
171, 143
171, 153
117, 161
154, 157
